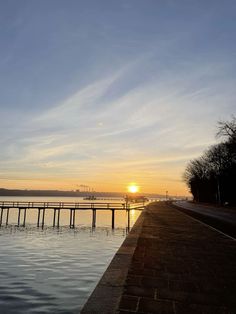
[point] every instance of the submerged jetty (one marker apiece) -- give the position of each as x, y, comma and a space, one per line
169, 263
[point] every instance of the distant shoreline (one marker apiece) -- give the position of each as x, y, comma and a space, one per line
56, 193
18, 192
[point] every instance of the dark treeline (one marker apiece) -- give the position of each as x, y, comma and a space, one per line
212, 177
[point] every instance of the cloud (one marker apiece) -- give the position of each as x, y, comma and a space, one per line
119, 126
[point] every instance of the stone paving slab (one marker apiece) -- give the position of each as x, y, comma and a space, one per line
179, 266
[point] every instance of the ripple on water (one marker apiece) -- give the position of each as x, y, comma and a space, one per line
52, 271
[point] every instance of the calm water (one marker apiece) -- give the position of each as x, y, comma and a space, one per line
55, 270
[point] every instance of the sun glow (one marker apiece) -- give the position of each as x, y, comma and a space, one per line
133, 188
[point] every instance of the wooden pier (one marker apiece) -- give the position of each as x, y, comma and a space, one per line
41, 207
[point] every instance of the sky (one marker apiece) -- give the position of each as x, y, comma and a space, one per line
104, 93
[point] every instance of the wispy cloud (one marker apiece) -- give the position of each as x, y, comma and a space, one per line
144, 99
82, 136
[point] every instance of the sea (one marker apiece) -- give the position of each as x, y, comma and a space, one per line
54, 270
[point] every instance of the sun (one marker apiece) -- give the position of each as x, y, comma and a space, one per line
133, 188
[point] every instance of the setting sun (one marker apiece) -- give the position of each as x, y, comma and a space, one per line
133, 188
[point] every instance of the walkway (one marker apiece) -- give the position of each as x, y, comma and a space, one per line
178, 266
221, 218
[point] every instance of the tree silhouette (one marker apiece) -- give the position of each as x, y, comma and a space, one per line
211, 178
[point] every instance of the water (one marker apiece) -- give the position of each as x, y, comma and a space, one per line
55, 270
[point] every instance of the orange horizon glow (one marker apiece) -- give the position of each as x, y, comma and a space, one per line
174, 188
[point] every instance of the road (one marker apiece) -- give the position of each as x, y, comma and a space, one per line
223, 219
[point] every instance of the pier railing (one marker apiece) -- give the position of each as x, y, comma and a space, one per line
22, 206
69, 205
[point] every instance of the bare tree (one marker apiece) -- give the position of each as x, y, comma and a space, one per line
227, 129
212, 176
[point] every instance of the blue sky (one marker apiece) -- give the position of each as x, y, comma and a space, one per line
105, 93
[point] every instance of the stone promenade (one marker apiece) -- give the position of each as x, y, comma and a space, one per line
180, 266
175, 265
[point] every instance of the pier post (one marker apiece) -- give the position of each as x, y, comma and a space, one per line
19, 211
7, 216
1, 217
128, 212
94, 218
39, 211
54, 218
57, 213
43, 218
24, 217
58, 217
74, 219
113, 219
70, 218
